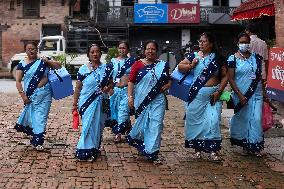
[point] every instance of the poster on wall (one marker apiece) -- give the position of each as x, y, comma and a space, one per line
275, 77
150, 13
183, 13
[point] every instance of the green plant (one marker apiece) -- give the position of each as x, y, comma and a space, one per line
271, 43
60, 58
112, 53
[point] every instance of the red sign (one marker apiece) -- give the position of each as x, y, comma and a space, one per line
183, 13
275, 78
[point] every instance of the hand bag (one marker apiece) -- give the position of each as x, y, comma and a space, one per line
61, 83
267, 117
181, 84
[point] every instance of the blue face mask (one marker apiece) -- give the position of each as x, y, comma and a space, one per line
244, 47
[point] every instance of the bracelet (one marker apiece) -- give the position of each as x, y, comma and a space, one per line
75, 104
21, 92
129, 97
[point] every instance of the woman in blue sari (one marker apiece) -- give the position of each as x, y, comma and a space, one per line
245, 79
93, 82
36, 94
203, 113
118, 100
148, 79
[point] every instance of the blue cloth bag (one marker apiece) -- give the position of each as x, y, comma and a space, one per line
181, 84
61, 83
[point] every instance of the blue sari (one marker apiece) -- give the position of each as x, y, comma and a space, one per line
246, 126
202, 123
91, 109
150, 105
118, 101
33, 118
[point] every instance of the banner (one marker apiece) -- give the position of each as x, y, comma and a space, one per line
166, 13
183, 13
150, 13
275, 78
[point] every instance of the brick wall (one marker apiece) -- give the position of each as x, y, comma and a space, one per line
279, 20
20, 28
0, 48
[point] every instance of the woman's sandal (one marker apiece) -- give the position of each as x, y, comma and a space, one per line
39, 148
258, 154
245, 152
196, 155
157, 162
214, 157
117, 138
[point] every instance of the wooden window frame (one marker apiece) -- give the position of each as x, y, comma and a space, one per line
31, 13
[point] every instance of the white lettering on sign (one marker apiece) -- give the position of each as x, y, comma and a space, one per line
277, 56
278, 74
183, 13
270, 92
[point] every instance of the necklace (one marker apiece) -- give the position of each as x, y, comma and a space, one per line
243, 56
93, 67
147, 62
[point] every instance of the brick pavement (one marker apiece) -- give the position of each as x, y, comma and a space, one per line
119, 166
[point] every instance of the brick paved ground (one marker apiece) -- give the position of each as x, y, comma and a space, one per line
119, 166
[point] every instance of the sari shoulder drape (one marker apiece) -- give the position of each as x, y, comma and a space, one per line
103, 75
33, 74
253, 86
161, 77
207, 71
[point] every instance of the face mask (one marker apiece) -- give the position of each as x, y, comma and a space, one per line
244, 47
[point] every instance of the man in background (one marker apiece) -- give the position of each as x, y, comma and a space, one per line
258, 46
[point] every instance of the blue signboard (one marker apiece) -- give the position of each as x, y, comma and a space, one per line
150, 13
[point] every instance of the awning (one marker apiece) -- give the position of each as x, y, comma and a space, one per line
220, 18
252, 9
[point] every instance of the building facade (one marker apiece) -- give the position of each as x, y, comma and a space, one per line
279, 20
214, 16
108, 21
23, 20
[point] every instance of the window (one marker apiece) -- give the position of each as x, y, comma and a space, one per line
128, 2
31, 8
51, 29
48, 45
12, 5
62, 2
43, 2
169, 1
19, 2
223, 3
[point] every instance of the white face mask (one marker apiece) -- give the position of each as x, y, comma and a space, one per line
244, 47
